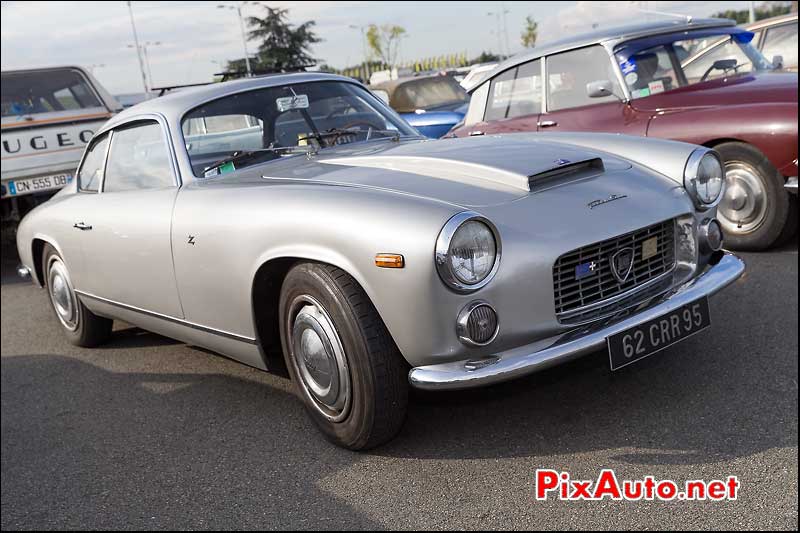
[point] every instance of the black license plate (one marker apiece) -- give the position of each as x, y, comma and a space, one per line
653, 336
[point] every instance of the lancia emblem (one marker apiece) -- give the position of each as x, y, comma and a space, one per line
560, 162
622, 264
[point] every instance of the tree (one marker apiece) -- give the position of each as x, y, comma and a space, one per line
763, 11
283, 47
530, 32
384, 42
485, 57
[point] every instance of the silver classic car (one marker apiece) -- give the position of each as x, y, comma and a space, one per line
296, 222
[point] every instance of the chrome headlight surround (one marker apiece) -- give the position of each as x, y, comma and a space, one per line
442, 252
700, 162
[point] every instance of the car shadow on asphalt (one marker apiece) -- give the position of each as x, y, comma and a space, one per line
126, 441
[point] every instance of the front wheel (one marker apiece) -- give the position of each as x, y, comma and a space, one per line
348, 371
754, 212
82, 327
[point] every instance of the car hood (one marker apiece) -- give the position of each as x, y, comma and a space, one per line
754, 88
468, 172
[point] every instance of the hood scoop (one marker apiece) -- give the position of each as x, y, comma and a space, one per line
565, 173
478, 174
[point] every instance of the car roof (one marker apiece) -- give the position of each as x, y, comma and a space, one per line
174, 105
391, 85
615, 33
780, 19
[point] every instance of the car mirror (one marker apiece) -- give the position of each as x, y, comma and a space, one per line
777, 61
724, 64
599, 89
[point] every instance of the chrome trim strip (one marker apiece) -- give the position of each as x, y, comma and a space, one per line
168, 318
526, 359
791, 184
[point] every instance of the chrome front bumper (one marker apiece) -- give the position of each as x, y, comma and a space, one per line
532, 358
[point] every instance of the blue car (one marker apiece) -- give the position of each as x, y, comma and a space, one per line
431, 104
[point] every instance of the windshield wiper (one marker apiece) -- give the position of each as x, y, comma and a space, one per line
243, 155
335, 133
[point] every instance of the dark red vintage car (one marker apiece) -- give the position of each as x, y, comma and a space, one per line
643, 80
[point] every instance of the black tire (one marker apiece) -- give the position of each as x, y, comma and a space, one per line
766, 230
82, 327
378, 382
790, 228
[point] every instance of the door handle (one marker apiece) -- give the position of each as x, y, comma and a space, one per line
475, 133
81, 226
547, 123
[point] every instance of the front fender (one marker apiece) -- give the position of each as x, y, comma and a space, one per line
238, 229
770, 127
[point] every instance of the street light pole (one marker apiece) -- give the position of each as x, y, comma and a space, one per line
363, 49
138, 55
238, 8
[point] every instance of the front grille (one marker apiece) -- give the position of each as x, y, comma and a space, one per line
572, 295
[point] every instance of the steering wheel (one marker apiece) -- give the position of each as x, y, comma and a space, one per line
352, 125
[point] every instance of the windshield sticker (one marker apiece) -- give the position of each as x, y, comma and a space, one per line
656, 86
631, 78
226, 167
641, 93
628, 66
287, 103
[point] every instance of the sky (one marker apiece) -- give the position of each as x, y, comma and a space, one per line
196, 37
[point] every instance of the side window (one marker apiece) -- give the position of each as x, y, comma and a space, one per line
516, 92
138, 159
651, 71
569, 73
91, 173
695, 70
782, 41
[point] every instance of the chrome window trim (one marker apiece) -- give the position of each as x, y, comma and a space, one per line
546, 82
443, 247
95, 139
158, 118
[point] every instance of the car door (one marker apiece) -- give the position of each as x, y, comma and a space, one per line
514, 101
568, 104
126, 235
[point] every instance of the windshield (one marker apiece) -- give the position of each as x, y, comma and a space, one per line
272, 121
664, 63
46, 91
428, 94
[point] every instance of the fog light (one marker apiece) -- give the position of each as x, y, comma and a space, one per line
477, 324
710, 236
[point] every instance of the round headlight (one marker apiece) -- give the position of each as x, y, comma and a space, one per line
467, 252
704, 178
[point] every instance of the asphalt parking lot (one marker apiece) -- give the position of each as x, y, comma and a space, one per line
150, 433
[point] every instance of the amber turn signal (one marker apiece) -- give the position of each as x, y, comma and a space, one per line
389, 261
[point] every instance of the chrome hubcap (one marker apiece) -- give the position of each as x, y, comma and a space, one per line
744, 206
319, 359
62, 295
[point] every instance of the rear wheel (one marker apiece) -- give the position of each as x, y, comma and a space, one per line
755, 209
82, 327
348, 372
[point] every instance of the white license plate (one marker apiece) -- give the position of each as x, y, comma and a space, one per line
33, 185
